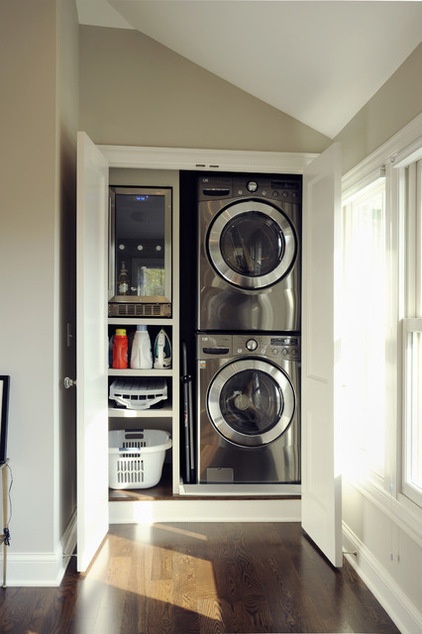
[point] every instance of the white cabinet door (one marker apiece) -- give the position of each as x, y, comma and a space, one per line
321, 479
91, 350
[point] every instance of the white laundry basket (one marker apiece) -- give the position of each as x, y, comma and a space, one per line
136, 457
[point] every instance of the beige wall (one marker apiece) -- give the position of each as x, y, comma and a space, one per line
28, 262
39, 115
134, 91
397, 102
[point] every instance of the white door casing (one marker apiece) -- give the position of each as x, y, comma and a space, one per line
91, 350
321, 270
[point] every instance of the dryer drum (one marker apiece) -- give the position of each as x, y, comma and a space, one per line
251, 244
251, 402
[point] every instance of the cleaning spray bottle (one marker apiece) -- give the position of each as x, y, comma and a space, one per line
162, 350
141, 355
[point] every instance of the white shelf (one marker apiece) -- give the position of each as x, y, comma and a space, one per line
163, 412
133, 321
130, 372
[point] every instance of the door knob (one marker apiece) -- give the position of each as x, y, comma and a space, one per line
67, 382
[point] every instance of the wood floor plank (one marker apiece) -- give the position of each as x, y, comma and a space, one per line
202, 578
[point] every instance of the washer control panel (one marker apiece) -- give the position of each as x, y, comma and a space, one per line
226, 345
275, 347
211, 346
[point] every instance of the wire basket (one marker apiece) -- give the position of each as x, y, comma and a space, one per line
136, 457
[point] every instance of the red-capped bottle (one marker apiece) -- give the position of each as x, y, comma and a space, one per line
120, 349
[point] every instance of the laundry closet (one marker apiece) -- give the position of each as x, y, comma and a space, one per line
172, 307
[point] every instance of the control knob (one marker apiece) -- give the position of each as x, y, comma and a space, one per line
251, 345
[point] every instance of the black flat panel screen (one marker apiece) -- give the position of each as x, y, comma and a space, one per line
4, 413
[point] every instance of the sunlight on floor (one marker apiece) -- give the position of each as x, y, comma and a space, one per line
158, 570
181, 531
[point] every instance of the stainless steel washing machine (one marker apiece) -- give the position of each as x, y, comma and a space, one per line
249, 253
248, 408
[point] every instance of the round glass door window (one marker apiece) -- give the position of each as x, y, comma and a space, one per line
251, 402
251, 244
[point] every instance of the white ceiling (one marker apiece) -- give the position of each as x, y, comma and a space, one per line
318, 61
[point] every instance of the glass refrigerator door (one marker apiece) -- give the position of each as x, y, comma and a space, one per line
140, 244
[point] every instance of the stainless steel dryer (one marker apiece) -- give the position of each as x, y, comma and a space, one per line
248, 408
249, 253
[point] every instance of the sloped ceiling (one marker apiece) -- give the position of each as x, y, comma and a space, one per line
318, 61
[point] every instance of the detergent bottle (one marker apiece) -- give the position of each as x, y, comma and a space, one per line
162, 350
141, 355
120, 349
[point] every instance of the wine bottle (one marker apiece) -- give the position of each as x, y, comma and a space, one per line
123, 281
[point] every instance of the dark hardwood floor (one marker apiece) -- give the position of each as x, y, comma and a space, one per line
199, 578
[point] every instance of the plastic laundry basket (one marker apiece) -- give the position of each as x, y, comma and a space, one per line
136, 457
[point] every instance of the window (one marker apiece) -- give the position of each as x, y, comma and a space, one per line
366, 306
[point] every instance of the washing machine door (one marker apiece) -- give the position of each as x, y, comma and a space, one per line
251, 244
251, 402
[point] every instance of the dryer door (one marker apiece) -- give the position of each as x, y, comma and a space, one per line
251, 402
251, 244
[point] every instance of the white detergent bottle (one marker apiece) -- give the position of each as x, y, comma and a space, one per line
141, 355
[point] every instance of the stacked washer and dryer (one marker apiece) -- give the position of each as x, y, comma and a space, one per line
248, 329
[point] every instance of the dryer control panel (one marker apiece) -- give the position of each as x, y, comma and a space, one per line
279, 188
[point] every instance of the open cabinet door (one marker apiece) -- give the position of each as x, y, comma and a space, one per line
321, 479
91, 350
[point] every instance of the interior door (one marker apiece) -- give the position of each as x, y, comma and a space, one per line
321, 479
91, 350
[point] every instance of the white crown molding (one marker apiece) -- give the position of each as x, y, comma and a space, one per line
202, 159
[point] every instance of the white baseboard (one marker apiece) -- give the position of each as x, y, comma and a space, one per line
30, 569
41, 569
406, 616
